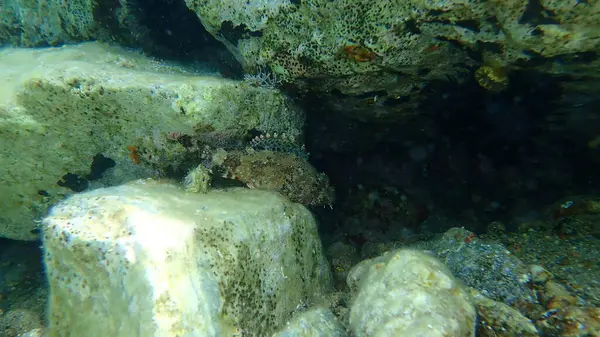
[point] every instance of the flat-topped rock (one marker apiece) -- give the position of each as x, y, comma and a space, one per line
60, 107
149, 259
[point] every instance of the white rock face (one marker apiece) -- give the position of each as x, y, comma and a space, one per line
60, 107
149, 259
408, 293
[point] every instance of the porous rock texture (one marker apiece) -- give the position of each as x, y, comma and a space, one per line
303, 38
60, 107
46, 22
43, 23
386, 51
149, 259
408, 293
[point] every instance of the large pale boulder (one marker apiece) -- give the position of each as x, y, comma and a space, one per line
149, 259
408, 293
60, 107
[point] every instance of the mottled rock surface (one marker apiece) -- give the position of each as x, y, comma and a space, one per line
408, 293
397, 46
61, 107
149, 259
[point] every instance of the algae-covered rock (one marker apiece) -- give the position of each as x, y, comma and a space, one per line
356, 46
572, 321
506, 278
321, 37
61, 107
198, 180
43, 23
408, 293
385, 51
46, 22
496, 319
342, 256
21, 323
316, 322
149, 259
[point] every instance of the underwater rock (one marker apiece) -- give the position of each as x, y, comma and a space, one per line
496, 319
408, 293
555, 296
60, 107
148, 258
43, 23
342, 256
571, 321
539, 275
21, 323
393, 48
486, 266
314, 322
198, 180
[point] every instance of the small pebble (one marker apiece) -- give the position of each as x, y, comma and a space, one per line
539, 274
